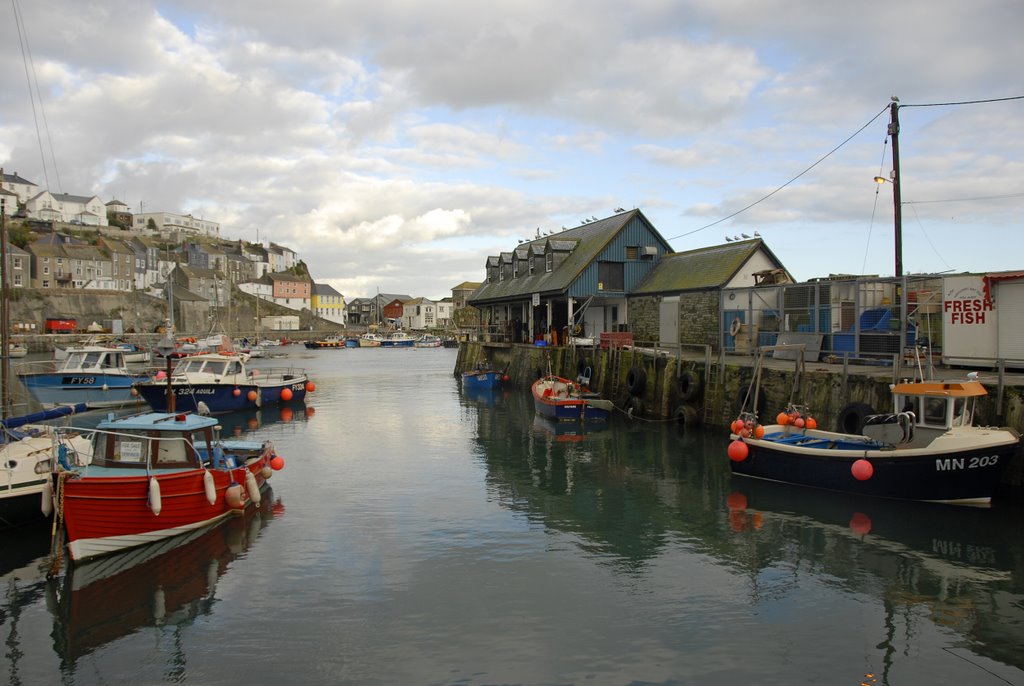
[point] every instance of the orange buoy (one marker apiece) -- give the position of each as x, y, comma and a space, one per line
738, 451
736, 426
799, 422
277, 463
286, 394
504, 377
286, 414
862, 470
811, 423
310, 387
782, 419
237, 392
251, 396
758, 431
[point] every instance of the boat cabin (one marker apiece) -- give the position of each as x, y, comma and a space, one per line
939, 405
158, 441
217, 366
93, 359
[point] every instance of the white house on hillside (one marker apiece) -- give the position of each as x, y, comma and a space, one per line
169, 224
64, 207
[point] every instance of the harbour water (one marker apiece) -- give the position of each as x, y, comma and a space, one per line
419, 535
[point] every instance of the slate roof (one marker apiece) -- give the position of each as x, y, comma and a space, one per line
324, 289
583, 244
703, 268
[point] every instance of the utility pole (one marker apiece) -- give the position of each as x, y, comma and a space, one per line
894, 133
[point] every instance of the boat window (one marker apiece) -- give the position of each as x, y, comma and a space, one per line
935, 411
962, 412
235, 367
215, 367
91, 360
172, 450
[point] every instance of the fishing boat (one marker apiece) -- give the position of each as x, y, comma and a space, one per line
427, 341
16, 350
927, 448
398, 339
565, 400
370, 340
27, 449
93, 374
214, 383
333, 341
483, 378
154, 476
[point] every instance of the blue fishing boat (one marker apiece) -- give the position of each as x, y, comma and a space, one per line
95, 375
482, 378
216, 383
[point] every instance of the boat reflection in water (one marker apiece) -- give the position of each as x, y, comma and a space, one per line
956, 565
245, 421
169, 583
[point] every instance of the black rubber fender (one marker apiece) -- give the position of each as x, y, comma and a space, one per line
689, 386
635, 407
851, 418
746, 404
687, 415
636, 380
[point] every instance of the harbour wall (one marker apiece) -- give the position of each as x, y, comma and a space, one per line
699, 389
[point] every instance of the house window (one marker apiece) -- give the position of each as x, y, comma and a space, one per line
632, 252
46, 270
531, 266
17, 263
549, 261
17, 279
46, 284
515, 269
610, 275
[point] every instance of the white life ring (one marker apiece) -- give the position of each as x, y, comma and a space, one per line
734, 328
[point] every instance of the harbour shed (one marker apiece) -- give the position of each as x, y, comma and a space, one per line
570, 282
680, 301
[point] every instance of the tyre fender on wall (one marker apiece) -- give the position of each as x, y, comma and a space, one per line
687, 415
851, 418
636, 380
635, 407
689, 386
744, 403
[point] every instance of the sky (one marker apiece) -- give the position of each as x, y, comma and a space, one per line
395, 145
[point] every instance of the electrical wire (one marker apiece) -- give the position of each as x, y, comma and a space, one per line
819, 161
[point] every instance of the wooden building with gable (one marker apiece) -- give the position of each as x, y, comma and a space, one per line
574, 281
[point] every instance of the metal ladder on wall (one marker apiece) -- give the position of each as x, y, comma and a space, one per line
713, 391
614, 364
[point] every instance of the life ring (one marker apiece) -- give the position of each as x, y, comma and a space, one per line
689, 386
734, 328
852, 418
636, 380
577, 330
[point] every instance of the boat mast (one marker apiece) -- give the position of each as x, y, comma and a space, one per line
5, 315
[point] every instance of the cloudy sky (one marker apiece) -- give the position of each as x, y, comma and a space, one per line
396, 144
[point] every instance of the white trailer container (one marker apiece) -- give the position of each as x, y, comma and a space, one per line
983, 319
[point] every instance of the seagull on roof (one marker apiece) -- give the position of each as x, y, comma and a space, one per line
728, 239
757, 234
745, 235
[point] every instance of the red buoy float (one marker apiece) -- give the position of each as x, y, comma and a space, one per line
237, 392
286, 394
862, 469
782, 419
811, 423
310, 387
758, 431
738, 451
251, 396
277, 463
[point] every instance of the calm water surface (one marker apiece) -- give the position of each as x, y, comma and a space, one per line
418, 535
